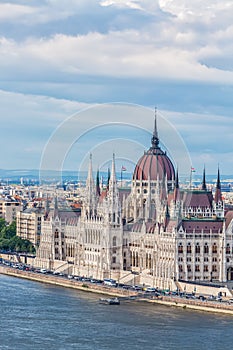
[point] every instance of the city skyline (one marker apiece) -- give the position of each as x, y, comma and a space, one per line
57, 60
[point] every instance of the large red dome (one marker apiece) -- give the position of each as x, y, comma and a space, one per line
154, 164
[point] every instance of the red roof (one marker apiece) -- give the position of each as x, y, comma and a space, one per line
229, 217
197, 199
206, 225
153, 164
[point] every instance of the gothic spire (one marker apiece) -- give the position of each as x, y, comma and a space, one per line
177, 190
98, 183
109, 175
204, 181
113, 172
155, 138
218, 194
90, 189
89, 175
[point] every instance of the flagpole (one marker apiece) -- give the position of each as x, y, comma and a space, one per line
190, 183
121, 177
191, 175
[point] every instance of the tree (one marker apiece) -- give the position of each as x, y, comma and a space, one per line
10, 242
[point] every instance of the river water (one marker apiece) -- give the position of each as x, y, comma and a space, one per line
38, 316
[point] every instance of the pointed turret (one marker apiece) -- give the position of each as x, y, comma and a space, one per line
98, 183
90, 190
177, 188
113, 196
90, 174
167, 216
218, 193
112, 180
109, 175
204, 188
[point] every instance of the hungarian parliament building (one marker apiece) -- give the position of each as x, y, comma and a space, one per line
157, 233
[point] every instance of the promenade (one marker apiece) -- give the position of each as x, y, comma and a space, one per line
172, 301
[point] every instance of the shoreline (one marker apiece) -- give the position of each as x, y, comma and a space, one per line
193, 305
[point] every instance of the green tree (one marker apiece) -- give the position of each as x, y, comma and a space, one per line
9, 240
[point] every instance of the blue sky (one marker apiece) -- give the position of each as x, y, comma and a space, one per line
60, 57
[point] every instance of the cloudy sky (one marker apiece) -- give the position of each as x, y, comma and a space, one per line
58, 57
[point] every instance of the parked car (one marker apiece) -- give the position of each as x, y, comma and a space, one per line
110, 282
150, 290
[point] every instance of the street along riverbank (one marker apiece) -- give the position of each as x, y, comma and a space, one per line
207, 306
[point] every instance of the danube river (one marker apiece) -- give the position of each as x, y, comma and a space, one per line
39, 316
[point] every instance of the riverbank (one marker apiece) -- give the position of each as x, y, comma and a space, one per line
206, 306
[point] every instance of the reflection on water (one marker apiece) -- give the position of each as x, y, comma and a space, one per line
39, 316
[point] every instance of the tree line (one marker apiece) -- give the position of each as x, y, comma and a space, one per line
10, 242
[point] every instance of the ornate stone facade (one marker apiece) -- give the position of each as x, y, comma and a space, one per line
157, 234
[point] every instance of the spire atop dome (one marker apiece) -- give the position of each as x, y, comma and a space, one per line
155, 138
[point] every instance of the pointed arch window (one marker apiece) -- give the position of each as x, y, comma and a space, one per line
206, 248
180, 248
197, 248
189, 248
214, 248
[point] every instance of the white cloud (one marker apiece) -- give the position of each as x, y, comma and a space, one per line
150, 6
164, 47
116, 54
133, 4
144, 48
187, 10
44, 11
13, 11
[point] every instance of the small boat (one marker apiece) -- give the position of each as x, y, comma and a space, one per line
109, 301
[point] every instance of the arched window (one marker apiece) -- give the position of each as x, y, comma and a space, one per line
214, 268
214, 248
189, 248
180, 248
56, 234
228, 249
206, 248
197, 248
114, 241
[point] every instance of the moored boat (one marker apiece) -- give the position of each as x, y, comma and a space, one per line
109, 301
